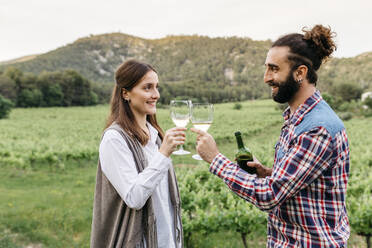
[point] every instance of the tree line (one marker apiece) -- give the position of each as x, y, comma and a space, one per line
64, 88
48, 89
69, 88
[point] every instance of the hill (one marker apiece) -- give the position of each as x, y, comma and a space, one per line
356, 70
96, 57
231, 66
20, 59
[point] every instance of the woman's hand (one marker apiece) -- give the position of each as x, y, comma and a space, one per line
172, 138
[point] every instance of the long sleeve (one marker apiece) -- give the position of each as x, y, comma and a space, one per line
118, 166
301, 165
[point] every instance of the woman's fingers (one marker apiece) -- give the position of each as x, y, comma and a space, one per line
178, 133
172, 138
177, 138
175, 129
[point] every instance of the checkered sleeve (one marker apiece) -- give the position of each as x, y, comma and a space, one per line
304, 161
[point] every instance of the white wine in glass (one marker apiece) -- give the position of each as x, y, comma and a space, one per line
201, 118
204, 126
180, 114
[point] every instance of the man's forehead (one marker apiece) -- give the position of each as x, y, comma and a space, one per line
277, 55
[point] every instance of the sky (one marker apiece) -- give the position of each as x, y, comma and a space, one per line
37, 26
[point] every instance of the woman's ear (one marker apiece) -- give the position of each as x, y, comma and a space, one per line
125, 94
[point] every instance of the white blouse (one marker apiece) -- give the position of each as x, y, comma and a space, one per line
117, 163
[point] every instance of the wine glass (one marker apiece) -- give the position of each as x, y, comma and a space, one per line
201, 118
180, 114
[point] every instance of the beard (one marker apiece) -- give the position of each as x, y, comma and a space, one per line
286, 89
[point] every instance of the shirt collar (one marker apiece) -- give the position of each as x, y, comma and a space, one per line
302, 110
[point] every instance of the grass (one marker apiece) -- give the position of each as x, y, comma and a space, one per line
54, 209
47, 207
48, 160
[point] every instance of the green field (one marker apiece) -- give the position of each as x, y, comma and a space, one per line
48, 162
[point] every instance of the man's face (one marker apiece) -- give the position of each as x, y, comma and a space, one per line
279, 75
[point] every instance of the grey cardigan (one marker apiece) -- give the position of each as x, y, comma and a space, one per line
116, 225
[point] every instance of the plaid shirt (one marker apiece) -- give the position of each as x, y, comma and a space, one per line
305, 194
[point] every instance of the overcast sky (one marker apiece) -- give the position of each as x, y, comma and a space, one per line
38, 26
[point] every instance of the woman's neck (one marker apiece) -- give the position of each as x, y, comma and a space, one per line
142, 122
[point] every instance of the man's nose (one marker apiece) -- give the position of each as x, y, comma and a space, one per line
267, 76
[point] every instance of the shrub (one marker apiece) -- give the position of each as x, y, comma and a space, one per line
52, 95
345, 116
30, 98
237, 106
328, 98
367, 112
334, 101
368, 102
5, 107
103, 91
360, 211
347, 91
8, 88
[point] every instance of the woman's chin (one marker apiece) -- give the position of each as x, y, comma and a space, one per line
152, 111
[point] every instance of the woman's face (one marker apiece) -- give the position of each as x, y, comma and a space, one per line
144, 95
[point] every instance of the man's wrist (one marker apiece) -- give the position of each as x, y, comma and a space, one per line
214, 158
269, 172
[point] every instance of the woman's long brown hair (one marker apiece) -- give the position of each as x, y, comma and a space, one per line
127, 76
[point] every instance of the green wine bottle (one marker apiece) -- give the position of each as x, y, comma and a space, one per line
243, 155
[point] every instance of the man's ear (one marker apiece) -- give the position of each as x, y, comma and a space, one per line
300, 73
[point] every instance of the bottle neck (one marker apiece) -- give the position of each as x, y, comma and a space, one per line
239, 141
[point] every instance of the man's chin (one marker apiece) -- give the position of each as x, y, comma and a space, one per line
279, 100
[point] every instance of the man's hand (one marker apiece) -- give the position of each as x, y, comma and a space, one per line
205, 145
262, 171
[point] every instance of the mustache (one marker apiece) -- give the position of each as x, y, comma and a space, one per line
273, 84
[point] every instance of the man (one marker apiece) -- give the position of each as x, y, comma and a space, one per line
304, 193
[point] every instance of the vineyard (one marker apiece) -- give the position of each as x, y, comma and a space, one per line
48, 158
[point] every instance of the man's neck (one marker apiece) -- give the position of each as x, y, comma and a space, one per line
306, 90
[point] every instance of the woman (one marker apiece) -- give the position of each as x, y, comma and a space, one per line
136, 201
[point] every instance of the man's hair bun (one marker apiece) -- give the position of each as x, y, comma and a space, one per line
320, 39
